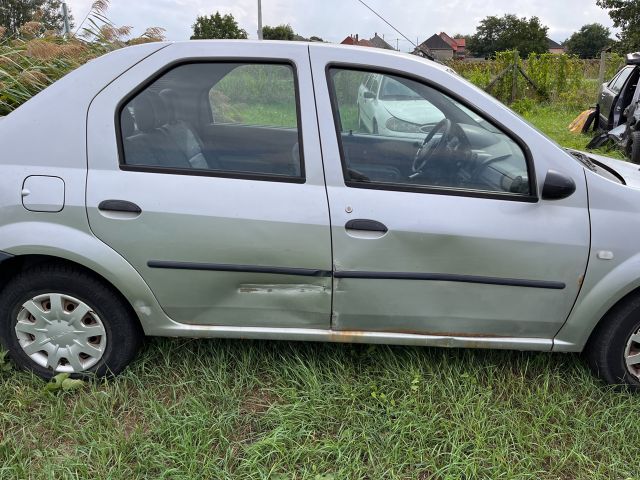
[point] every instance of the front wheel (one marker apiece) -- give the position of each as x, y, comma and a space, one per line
613, 351
59, 319
635, 147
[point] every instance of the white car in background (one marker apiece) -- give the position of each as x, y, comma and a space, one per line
387, 107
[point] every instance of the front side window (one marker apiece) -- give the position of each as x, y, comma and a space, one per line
413, 136
227, 119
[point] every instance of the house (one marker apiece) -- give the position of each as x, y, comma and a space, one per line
458, 44
555, 47
376, 41
380, 42
462, 46
355, 40
435, 47
443, 47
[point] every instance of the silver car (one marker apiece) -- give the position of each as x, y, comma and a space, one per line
222, 189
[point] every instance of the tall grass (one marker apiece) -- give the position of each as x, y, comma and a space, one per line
35, 58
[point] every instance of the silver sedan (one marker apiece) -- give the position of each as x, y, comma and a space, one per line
224, 189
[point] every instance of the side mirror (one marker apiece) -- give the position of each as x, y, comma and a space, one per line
368, 95
557, 186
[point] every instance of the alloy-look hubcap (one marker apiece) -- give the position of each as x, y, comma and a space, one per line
632, 355
61, 333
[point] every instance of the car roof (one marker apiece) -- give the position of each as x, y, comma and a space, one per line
301, 44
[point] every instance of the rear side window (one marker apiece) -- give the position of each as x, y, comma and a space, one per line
255, 95
221, 119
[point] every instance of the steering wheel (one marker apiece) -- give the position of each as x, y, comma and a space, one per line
430, 146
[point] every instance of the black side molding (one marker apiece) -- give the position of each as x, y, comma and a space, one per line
119, 206
309, 272
446, 277
221, 267
366, 225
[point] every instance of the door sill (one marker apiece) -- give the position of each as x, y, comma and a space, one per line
349, 336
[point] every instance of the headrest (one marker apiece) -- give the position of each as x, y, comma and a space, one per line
170, 99
126, 123
149, 111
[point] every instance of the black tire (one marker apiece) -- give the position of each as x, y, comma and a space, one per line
123, 332
635, 147
606, 348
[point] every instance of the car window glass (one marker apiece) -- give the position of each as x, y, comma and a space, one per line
229, 119
255, 95
394, 90
619, 82
375, 83
367, 82
613, 80
415, 136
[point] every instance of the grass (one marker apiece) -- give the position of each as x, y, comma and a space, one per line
554, 120
244, 409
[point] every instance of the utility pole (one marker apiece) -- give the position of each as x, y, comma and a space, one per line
65, 15
259, 19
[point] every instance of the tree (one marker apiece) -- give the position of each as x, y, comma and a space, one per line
217, 26
589, 41
626, 16
496, 34
281, 32
15, 13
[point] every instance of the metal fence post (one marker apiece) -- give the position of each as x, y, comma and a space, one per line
514, 86
603, 67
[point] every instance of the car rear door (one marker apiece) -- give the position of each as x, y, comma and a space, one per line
205, 174
609, 97
436, 258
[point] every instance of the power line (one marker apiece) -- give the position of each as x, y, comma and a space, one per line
385, 21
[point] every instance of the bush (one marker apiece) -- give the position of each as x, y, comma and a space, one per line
560, 78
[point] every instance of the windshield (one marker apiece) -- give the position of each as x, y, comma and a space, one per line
394, 90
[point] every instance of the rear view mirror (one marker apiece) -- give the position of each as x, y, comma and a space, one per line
557, 186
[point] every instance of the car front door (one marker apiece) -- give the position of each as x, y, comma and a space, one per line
457, 241
209, 182
609, 97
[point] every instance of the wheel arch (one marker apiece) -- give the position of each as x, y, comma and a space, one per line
30, 243
595, 304
15, 264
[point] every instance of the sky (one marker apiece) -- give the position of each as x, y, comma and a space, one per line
333, 20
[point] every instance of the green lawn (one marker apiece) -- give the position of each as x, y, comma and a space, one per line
554, 122
282, 410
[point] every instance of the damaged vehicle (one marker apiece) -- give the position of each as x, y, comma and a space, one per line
222, 189
618, 110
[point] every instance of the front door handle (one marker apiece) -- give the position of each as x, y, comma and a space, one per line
366, 225
119, 206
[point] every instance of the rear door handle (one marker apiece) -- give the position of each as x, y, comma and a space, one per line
119, 206
366, 225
